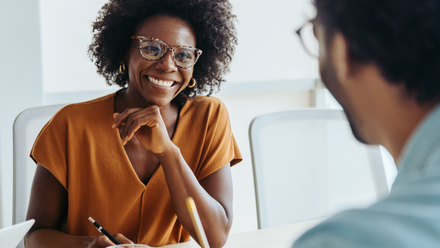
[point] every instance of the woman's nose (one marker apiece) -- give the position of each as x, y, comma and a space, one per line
166, 63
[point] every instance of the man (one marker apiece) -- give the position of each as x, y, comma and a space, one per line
381, 61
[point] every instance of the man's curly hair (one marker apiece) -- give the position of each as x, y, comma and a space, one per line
401, 37
212, 21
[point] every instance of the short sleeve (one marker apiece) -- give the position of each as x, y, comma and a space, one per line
219, 146
50, 147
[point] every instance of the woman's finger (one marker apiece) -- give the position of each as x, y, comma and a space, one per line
120, 118
133, 120
132, 126
122, 238
101, 242
116, 115
141, 117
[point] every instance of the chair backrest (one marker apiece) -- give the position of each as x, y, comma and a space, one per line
307, 165
27, 125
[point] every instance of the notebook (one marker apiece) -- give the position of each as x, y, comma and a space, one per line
11, 236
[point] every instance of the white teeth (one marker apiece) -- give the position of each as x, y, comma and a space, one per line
162, 83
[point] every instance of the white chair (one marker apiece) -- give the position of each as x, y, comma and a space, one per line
27, 125
308, 165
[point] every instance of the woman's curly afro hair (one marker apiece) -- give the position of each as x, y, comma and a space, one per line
212, 21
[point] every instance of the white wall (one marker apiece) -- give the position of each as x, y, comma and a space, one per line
21, 82
65, 37
268, 48
44, 46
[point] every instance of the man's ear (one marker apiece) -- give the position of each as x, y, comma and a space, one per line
343, 64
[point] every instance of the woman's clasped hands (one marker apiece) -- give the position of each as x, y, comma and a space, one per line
146, 125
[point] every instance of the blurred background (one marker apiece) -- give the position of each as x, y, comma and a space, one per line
43, 49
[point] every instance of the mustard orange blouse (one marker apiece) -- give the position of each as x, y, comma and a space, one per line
79, 147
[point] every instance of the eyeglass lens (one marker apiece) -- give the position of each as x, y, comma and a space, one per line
154, 49
309, 39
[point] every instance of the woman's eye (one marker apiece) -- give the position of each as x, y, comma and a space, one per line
183, 56
152, 49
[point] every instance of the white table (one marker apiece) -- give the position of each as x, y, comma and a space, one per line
274, 237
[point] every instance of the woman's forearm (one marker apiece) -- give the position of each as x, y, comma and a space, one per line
182, 183
50, 238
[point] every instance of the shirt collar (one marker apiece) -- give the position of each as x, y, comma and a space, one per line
422, 143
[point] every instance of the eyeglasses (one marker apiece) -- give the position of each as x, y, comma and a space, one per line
154, 49
308, 39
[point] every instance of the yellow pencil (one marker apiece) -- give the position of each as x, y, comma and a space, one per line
195, 218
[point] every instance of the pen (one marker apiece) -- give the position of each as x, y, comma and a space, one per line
195, 218
105, 232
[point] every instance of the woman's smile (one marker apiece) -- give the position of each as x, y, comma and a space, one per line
161, 82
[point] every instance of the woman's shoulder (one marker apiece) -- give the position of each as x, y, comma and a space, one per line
208, 106
87, 109
205, 102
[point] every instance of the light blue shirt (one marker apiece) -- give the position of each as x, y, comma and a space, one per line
408, 217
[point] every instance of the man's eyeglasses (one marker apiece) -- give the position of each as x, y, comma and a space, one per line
308, 39
154, 49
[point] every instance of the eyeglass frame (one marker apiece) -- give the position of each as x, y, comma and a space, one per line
140, 38
298, 32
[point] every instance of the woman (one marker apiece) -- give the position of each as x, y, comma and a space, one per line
130, 159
